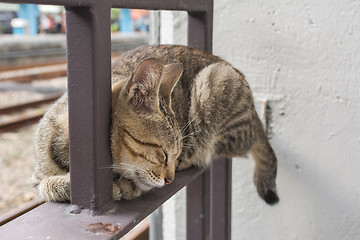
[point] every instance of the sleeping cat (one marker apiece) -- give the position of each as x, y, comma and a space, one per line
173, 107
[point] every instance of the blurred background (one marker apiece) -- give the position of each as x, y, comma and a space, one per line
31, 19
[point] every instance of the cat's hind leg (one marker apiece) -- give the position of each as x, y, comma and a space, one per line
55, 188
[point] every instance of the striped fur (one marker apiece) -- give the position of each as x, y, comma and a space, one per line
172, 107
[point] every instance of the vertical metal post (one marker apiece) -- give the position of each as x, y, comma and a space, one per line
89, 90
198, 208
220, 222
198, 192
209, 197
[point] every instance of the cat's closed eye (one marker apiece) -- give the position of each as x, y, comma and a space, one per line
166, 159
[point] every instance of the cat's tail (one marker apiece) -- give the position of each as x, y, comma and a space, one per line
265, 170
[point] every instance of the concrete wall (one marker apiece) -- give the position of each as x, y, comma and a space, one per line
303, 58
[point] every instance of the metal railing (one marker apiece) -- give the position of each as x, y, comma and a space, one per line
89, 91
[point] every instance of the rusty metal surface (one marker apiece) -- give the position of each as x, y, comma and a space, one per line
54, 220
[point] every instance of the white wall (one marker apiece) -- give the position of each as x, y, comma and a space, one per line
304, 58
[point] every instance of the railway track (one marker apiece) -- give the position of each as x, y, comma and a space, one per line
26, 119
19, 80
26, 76
43, 72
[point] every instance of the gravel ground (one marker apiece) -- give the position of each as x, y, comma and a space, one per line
16, 148
16, 166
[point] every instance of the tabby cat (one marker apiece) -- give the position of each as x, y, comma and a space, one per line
173, 107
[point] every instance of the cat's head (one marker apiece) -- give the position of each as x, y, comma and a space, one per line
146, 138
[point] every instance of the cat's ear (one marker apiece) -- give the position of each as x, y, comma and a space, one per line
170, 75
143, 87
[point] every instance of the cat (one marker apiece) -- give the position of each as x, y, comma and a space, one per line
173, 107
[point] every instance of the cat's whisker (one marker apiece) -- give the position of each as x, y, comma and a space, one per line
122, 175
143, 163
189, 146
186, 126
190, 134
133, 167
127, 167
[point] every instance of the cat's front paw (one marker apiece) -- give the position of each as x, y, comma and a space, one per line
116, 192
125, 189
182, 165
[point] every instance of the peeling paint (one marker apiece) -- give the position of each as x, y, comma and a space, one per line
100, 228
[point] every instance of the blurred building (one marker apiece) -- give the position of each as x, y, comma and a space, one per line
31, 19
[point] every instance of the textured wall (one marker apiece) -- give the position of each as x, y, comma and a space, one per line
304, 58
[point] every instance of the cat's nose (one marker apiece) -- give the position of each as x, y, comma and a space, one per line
168, 180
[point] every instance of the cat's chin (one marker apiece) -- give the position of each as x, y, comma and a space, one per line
143, 186
141, 183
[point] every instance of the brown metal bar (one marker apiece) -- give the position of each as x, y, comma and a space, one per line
56, 221
17, 212
198, 192
89, 89
181, 5
200, 29
209, 197
198, 208
220, 222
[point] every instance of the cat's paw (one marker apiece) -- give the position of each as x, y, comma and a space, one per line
116, 192
125, 189
182, 165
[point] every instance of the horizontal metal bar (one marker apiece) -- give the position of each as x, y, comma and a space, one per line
22, 209
181, 5
55, 220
